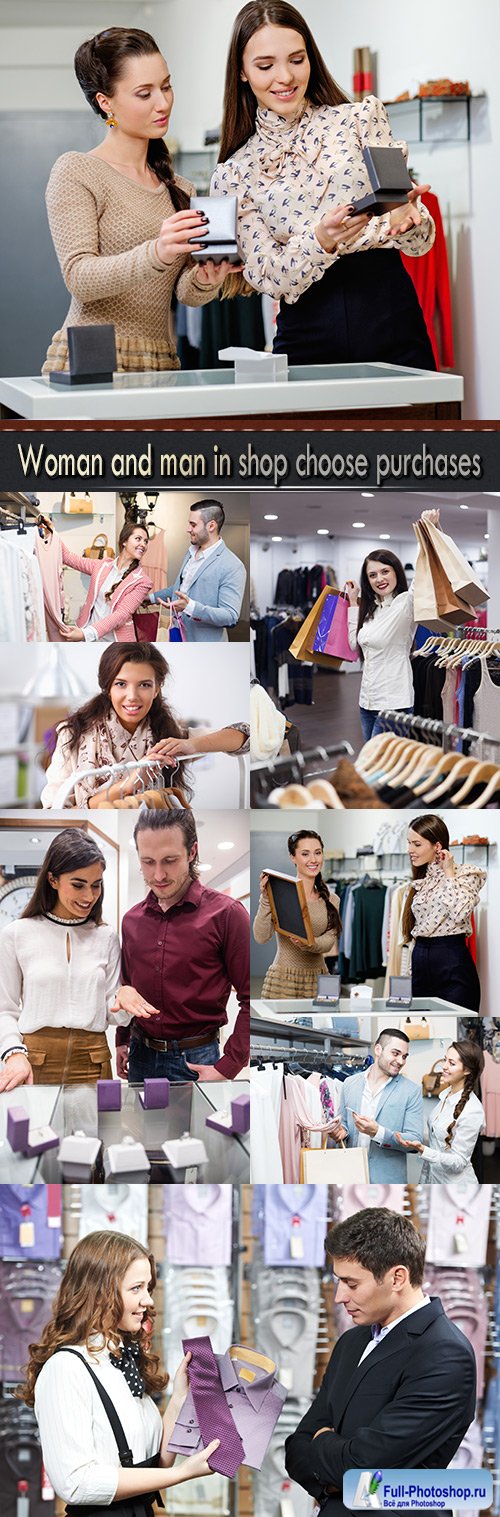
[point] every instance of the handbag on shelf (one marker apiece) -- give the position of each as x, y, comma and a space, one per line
146, 622
302, 647
431, 1083
99, 548
77, 505
420, 1028
175, 630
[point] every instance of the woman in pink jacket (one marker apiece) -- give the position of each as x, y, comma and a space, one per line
117, 588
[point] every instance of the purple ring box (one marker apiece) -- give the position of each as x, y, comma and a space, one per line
18, 1125
109, 1095
240, 1111
156, 1094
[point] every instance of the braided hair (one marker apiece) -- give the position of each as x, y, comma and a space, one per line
99, 64
332, 916
472, 1058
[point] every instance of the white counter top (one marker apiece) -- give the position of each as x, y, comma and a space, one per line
213, 393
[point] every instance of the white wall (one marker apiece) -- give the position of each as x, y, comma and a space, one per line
346, 555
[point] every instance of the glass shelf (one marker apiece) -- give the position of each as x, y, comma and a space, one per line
454, 110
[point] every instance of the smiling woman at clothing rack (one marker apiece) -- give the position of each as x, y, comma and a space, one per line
436, 917
293, 975
456, 1124
128, 720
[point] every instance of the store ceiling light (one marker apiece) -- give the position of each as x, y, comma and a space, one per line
464, 508
486, 537
224, 847
322, 531
359, 524
270, 516
385, 537
367, 495
276, 539
203, 868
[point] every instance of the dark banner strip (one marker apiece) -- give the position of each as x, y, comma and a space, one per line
394, 458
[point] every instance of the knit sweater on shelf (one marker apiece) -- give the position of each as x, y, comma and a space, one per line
104, 228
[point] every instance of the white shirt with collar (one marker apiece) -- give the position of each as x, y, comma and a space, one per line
374, 1342
369, 1107
385, 640
190, 569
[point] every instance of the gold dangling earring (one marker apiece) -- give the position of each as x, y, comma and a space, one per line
111, 122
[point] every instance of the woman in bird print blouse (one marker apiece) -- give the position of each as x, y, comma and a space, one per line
292, 153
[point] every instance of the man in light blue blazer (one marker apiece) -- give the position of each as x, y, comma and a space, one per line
379, 1102
209, 588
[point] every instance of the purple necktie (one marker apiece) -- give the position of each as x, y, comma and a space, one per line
212, 1411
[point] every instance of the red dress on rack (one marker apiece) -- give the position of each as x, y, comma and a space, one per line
430, 275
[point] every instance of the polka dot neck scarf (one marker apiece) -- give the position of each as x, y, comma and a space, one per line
127, 1362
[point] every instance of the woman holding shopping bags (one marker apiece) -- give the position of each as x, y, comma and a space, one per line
95, 1384
293, 975
381, 625
456, 1123
292, 153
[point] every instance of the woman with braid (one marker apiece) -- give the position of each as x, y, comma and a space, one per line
457, 1121
119, 216
293, 975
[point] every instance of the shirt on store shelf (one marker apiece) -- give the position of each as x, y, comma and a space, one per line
115, 1209
26, 1295
295, 1221
30, 1221
198, 1221
457, 1231
254, 1397
354, 1198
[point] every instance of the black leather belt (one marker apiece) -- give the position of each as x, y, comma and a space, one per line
170, 1045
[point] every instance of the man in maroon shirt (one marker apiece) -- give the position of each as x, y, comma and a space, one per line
183, 948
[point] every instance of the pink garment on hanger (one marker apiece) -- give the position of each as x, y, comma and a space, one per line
295, 1119
49, 555
490, 1095
155, 560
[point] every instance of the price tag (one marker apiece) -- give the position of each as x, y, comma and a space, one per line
26, 1229
27, 1306
296, 1239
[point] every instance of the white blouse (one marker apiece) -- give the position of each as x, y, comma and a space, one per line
289, 174
102, 607
441, 1163
78, 1444
52, 975
385, 640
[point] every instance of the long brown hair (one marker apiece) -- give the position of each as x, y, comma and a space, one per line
240, 105
71, 850
162, 721
368, 596
89, 1302
99, 64
333, 921
472, 1058
435, 830
128, 528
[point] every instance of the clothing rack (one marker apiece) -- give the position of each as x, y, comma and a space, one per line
267, 773
300, 1056
320, 1038
151, 776
405, 724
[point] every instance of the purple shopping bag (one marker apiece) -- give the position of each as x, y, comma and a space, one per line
337, 642
324, 623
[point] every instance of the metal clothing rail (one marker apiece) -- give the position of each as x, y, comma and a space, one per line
317, 1037
266, 773
405, 724
152, 777
303, 1056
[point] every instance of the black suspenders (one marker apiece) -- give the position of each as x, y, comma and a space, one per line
126, 1455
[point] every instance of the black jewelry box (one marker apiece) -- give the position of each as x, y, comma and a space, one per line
389, 179
219, 238
92, 356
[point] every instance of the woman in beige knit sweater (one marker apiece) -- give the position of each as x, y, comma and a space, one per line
119, 217
293, 975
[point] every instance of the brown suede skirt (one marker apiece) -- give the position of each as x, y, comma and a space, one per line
68, 1056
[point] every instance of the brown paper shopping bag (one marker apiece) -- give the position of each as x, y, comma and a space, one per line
435, 603
462, 577
302, 647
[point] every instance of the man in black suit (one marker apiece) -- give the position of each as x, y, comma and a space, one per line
400, 1389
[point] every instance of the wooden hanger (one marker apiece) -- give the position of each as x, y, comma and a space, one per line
454, 764
479, 774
